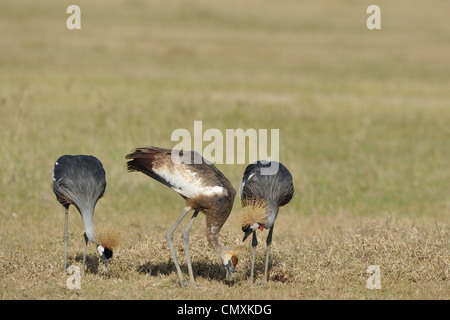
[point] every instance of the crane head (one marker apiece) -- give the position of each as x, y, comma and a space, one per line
253, 216
249, 228
105, 253
230, 261
108, 238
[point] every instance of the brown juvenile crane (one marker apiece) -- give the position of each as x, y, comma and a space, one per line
203, 187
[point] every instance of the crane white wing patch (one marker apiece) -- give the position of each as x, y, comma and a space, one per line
53, 172
241, 187
186, 182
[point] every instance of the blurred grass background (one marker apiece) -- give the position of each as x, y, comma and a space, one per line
363, 116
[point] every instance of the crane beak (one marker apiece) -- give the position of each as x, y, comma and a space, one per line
105, 261
247, 233
249, 229
229, 270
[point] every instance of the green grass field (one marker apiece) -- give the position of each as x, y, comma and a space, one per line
364, 120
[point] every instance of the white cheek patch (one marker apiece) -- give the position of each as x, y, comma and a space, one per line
255, 226
100, 250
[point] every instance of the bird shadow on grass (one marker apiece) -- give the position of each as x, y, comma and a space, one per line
201, 269
92, 262
155, 269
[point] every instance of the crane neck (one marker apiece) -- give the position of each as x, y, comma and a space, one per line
271, 214
214, 224
88, 222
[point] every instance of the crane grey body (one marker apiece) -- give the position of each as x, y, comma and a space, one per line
80, 180
276, 189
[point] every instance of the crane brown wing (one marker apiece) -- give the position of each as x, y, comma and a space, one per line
150, 160
142, 161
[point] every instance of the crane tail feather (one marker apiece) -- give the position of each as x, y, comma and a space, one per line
146, 152
145, 166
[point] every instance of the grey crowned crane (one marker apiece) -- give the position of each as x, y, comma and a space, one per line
80, 180
201, 185
269, 183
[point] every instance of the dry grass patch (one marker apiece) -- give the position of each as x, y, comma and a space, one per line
363, 118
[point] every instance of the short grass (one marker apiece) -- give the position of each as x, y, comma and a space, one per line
364, 128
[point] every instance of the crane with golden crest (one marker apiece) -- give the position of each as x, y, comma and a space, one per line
265, 187
79, 180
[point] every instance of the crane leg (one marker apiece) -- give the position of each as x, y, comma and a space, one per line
268, 242
85, 251
254, 244
185, 238
169, 238
66, 238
